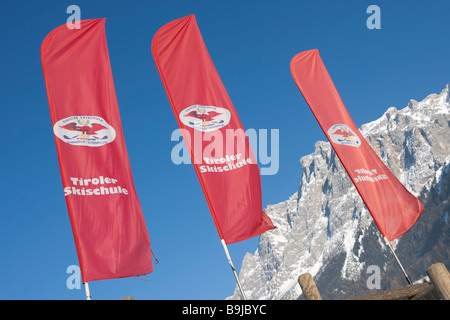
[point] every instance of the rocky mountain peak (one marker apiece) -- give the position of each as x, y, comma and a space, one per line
324, 228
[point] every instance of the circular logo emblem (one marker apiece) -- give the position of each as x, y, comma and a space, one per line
205, 118
90, 131
341, 134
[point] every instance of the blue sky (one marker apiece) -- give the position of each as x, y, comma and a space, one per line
251, 44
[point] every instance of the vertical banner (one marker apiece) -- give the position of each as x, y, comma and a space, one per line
393, 208
221, 154
110, 234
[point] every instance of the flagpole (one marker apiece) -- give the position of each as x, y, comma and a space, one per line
233, 268
398, 261
88, 294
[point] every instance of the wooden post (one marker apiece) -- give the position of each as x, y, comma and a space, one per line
309, 287
440, 277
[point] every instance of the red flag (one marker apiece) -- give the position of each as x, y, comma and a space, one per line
110, 234
227, 170
393, 208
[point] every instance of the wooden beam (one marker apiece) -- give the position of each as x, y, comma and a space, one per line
395, 294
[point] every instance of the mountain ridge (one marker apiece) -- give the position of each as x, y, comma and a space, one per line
324, 228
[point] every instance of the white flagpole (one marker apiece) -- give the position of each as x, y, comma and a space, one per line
233, 268
398, 261
88, 294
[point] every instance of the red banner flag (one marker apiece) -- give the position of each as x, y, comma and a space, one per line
226, 167
110, 234
393, 208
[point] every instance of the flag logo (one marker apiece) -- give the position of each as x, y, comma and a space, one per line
90, 131
342, 134
205, 118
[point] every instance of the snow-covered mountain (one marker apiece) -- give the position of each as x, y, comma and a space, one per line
324, 228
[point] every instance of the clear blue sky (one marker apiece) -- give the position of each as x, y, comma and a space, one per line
251, 44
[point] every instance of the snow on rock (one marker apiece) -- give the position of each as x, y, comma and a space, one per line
326, 217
